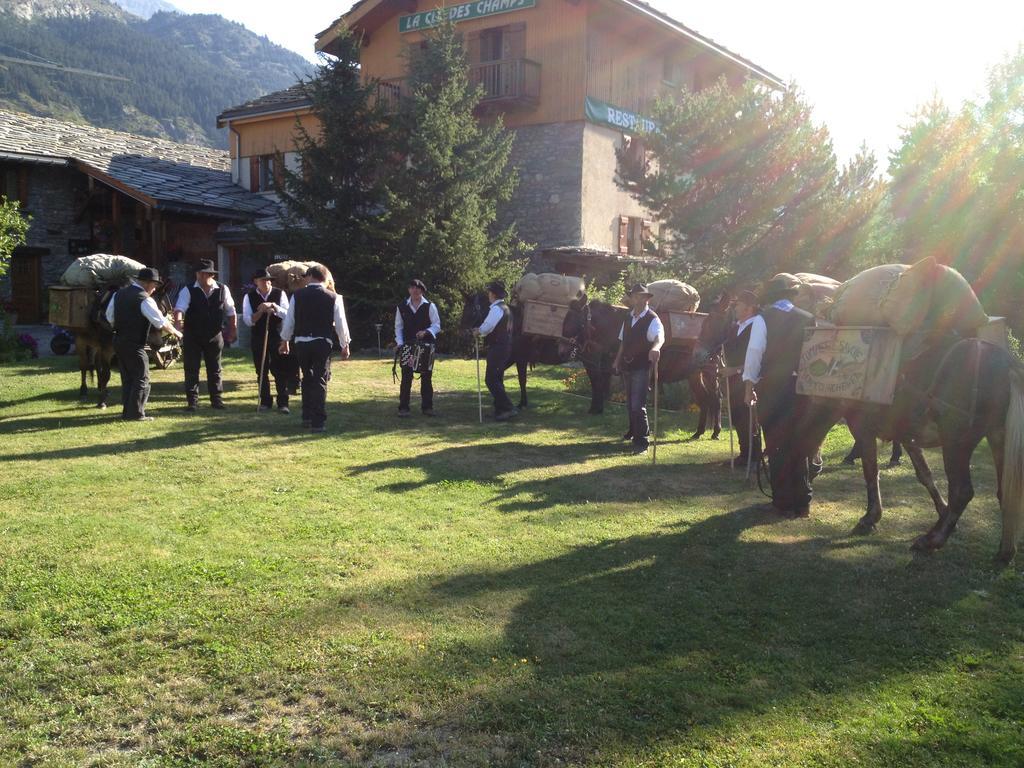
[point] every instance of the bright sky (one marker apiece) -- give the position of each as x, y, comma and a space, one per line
865, 66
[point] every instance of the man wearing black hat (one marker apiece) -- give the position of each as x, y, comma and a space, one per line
416, 322
769, 379
497, 330
316, 315
641, 338
200, 313
263, 309
748, 314
131, 313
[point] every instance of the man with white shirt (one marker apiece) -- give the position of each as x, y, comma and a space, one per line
416, 322
496, 329
747, 309
131, 313
263, 309
315, 317
769, 379
641, 338
201, 311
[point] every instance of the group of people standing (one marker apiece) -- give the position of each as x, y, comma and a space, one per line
760, 357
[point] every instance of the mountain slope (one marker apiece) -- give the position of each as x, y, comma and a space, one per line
182, 70
145, 8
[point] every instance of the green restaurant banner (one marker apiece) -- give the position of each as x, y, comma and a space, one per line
598, 111
461, 12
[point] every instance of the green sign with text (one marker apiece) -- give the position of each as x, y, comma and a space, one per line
598, 111
461, 12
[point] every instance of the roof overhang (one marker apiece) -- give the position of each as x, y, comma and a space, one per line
297, 108
24, 157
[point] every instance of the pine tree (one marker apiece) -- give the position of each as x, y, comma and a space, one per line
444, 198
335, 206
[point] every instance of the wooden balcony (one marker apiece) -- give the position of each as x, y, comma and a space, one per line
507, 83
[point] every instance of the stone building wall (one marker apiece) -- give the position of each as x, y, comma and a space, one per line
547, 204
56, 195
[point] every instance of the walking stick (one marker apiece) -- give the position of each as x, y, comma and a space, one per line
263, 369
479, 391
750, 445
654, 453
728, 416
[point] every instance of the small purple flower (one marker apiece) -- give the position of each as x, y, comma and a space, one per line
29, 342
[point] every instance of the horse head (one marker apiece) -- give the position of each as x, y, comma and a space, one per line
474, 310
715, 330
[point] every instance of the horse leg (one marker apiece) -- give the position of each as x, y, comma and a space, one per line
925, 478
599, 381
697, 390
83, 368
715, 401
956, 458
896, 457
522, 368
869, 465
102, 380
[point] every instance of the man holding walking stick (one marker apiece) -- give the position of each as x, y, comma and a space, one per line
641, 339
263, 309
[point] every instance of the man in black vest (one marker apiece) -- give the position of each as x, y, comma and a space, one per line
205, 306
315, 317
641, 339
769, 378
263, 309
497, 330
131, 313
747, 309
416, 322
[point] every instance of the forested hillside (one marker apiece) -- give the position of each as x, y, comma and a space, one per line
181, 70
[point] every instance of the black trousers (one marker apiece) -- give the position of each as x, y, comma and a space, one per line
780, 412
314, 358
740, 415
426, 390
133, 363
274, 366
497, 357
208, 352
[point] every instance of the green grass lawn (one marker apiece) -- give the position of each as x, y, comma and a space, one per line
223, 589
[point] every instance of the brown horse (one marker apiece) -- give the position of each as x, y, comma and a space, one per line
593, 328
951, 394
95, 344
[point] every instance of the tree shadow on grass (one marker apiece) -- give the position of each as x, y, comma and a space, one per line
650, 638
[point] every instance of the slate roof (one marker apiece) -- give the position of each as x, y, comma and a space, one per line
166, 174
290, 98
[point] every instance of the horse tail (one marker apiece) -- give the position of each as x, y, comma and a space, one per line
1012, 496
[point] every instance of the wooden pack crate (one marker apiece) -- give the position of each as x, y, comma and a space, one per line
69, 307
850, 363
543, 319
682, 329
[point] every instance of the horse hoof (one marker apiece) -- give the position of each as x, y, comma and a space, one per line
695, 438
923, 543
101, 406
714, 436
864, 528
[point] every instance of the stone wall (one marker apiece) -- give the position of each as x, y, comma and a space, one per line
547, 204
56, 195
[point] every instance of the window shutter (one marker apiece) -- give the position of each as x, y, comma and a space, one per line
23, 186
254, 173
647, 235
278, 170
473, 47
515, 41
624, 234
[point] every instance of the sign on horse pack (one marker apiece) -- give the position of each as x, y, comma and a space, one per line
850, 363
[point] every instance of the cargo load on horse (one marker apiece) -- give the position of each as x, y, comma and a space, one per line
676, 304
814, 291
926, 296
290, 276
544, 300
100, 270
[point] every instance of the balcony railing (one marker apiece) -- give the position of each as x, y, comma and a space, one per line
509, 82
389, 94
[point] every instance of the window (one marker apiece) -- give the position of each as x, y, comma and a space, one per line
264, 171
14, 184
636, 235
